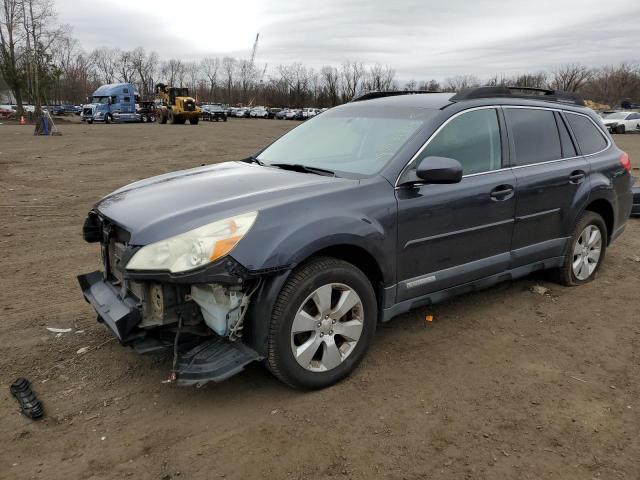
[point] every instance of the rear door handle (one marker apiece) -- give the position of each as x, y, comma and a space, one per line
577, 176
501, 193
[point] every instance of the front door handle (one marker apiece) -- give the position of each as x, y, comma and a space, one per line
502, 193
577, 176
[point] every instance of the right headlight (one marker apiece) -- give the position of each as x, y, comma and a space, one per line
194, 248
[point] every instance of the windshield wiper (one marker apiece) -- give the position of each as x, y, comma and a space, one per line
254, 159
297, 167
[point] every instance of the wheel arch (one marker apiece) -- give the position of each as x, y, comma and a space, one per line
261, 306
603, 207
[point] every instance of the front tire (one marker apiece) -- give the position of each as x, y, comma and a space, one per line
322, 324
585, 251
620, 129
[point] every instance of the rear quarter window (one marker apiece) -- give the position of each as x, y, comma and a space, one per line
590, 138
535, 135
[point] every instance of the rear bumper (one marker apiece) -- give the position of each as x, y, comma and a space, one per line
121, 315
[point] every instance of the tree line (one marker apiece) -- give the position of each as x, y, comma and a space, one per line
42, 63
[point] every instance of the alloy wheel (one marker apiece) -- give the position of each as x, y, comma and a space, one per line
586, 252
327, 327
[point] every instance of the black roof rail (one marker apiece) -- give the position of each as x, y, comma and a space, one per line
519, 92
387, 93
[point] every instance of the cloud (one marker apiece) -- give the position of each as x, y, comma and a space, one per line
421, 39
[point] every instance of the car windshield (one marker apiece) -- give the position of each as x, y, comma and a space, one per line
356, 139
617, 116
103, 100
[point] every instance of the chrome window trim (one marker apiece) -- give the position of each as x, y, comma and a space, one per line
560, 110
433, 135
598, 127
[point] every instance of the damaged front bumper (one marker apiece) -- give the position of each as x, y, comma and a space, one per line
200, 359
199, 315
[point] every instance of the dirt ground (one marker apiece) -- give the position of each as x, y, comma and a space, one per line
504, 383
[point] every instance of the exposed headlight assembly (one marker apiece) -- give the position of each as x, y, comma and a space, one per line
195, 248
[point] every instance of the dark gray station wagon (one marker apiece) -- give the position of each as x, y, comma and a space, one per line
392, 201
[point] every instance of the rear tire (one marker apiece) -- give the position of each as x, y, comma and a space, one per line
335, 311
620, 129
108, 118
585, 250
194, 121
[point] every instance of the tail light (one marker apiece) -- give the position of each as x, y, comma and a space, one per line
625, 161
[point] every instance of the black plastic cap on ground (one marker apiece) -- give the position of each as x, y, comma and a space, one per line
29, 403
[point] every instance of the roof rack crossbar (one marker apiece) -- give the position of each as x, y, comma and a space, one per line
519, 92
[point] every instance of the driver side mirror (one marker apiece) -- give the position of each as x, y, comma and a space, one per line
439, 170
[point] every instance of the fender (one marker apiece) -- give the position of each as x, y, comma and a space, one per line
281, 239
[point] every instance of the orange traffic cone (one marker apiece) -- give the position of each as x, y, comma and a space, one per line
22, 120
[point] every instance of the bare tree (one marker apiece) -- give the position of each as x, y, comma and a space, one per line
352, 73
192, 70
460, 82
210, 67
613, 84
379, 78
39, 20
228, 69
146, 67
570, 78
126, 67
105, 61
331, 80
11, 36
173, 71
429, 86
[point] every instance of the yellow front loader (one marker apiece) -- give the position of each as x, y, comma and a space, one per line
176, 106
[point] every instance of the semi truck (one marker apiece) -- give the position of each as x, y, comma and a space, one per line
116, 102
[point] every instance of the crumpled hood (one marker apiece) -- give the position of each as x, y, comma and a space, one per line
159, 207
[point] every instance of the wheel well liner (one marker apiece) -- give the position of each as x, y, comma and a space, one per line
360, 258
603, 208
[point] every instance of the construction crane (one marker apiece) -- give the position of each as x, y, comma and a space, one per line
254, 50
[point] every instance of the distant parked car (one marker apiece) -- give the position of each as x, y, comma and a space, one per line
242, 113
282, 114
6, 111
622, 122
259, 112
309, 112
273, 112
294, 114
214, 112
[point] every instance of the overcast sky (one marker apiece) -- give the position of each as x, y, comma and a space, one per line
420, 39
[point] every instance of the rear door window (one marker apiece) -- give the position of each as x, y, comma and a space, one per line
590, 138
535, 135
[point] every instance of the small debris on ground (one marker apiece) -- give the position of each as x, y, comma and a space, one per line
539, 289
58, 330
82, 350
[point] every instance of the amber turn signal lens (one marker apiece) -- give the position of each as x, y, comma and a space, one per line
222, 247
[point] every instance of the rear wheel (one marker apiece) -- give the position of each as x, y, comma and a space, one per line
108, 118
620, 129
586, 250
322, 324
194, 121
144, 119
